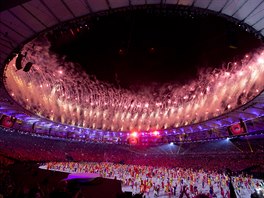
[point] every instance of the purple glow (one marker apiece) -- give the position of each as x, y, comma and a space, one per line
89, 176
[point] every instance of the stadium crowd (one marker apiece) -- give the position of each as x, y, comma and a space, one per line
171, 170
197, 155
170, 182
155, 180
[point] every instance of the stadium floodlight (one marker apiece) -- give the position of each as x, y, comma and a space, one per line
134, 134
19, 61
28, 67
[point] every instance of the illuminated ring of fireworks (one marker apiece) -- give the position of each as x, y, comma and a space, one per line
62, 92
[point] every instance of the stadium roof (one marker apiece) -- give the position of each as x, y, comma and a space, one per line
22, 20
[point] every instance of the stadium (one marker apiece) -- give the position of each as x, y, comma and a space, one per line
132, 98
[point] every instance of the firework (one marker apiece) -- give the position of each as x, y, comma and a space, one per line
62, 92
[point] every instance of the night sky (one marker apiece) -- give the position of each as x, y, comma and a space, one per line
132, 48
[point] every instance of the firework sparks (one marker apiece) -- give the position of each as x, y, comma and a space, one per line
63, 92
